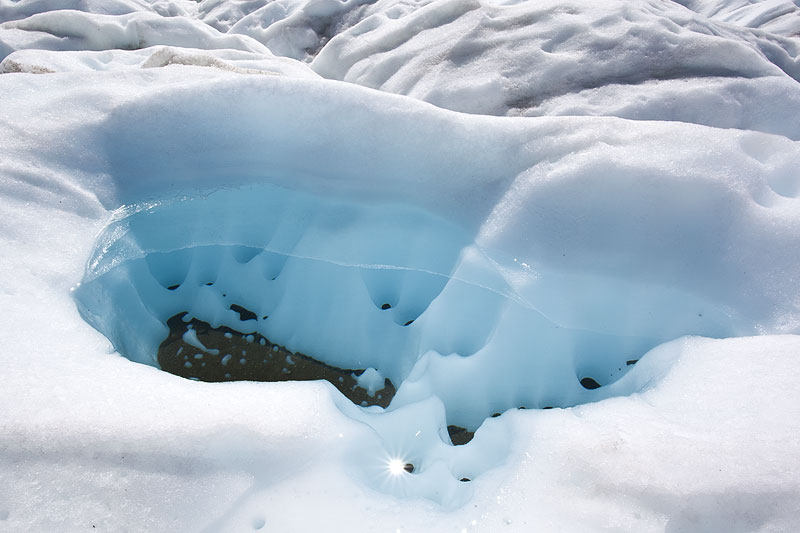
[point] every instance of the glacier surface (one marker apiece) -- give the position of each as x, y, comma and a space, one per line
484, 202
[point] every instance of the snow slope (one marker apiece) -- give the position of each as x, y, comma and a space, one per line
147, 144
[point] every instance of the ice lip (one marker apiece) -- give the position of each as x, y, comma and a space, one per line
462, 333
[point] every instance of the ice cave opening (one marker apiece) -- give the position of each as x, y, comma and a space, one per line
393, 306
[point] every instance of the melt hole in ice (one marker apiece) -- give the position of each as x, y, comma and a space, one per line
413, 320
266, 361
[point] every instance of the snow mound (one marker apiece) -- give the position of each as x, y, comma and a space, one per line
235, 61
776, 16
78, 30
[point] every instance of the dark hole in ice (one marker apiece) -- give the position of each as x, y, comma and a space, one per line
465, 479
590, 383
409, 468
408, 323
630, 362
386, 306
256, 361
244, 314
495, 415
173, 287
459, 435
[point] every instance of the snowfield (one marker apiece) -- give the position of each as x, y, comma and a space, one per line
485, 202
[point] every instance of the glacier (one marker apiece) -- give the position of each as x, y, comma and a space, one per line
483, 202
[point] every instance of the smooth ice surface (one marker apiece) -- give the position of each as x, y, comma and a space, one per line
646, 189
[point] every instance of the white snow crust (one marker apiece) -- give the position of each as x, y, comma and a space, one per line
483, 201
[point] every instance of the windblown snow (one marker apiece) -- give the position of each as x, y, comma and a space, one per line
570, 228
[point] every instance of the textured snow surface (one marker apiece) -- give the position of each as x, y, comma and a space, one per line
537, 192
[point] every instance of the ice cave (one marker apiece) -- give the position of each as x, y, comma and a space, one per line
388, 292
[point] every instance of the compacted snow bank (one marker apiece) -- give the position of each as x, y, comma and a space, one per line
480, 263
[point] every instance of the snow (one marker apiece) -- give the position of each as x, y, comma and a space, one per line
371, 380
775, 16
622, 187
77, 30
500, 59
190, 337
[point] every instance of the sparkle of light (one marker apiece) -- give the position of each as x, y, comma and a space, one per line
396, 467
